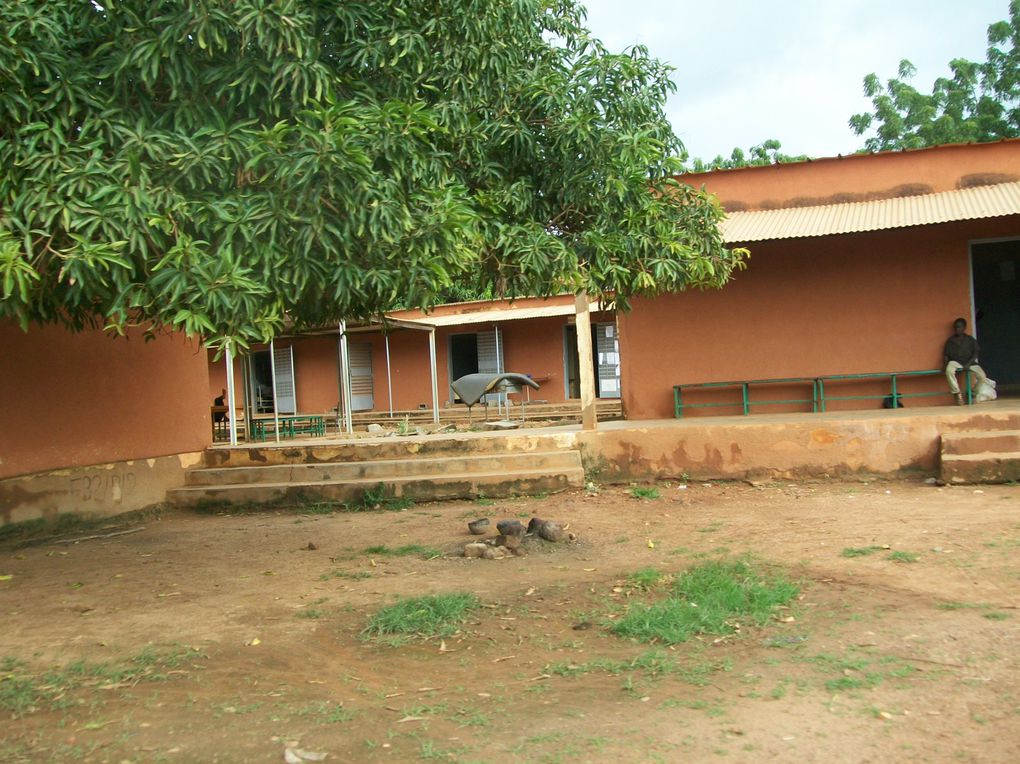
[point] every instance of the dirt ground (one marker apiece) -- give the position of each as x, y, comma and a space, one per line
253, 641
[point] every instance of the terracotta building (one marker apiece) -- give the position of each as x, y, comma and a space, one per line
858, 264
390, 367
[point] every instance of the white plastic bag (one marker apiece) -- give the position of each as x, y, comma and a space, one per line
985, 391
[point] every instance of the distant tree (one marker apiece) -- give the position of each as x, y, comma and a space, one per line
222, 167
978, 102
765, 153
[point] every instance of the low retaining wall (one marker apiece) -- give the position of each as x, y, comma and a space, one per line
786, 447
100, 490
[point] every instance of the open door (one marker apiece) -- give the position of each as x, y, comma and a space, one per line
605, 345
476, 352
996, 271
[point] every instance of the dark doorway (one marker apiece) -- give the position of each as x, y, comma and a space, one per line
996, 268
262, 382
573, 365
463, 355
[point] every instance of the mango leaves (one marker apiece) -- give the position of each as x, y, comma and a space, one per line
229, 167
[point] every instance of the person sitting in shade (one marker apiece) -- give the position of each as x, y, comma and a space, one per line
219, 401
961, 352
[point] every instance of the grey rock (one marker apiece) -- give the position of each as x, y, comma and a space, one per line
475, 549
551, 531
510, 527
510, 542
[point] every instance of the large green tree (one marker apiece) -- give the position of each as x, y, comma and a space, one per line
222, 167
979, 101
765, 153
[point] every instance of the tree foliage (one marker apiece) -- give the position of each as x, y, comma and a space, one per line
223, 166
977, 102
765, 153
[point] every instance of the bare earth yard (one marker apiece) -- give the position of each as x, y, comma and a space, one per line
225, 638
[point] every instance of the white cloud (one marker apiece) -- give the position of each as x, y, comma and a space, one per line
789, 69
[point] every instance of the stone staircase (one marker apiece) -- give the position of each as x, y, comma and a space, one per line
421, 469
986, 456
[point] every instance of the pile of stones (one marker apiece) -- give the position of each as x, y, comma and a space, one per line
511, 536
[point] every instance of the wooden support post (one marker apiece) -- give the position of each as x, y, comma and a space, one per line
585, 363
231, 398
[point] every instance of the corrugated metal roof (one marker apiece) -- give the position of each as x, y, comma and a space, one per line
491, 316
944, 207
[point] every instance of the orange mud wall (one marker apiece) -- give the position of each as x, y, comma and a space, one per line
85, 398
870, 302
863, 177
879, 301
77, 400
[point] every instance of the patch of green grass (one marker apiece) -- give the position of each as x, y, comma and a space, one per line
651, 663
711, 528
963, 606
24, 691
429, 751
408, 550
858, 671
424, 710
30, 532
708, 599
860, 551
646, 578
437, 615
357, 575
326, 712
996, 616
322, 508
644, 492
377, 498
904, 557
313, 611
469, 718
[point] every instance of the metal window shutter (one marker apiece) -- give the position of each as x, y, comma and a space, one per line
283, 368
608, 350
362, 381
490, 356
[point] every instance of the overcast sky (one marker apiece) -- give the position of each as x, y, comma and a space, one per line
749, 70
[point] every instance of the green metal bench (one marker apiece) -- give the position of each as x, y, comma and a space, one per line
745, 394
818, 397
894, 390
290, 426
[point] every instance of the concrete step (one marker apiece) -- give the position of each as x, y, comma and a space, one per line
994, 441
366, 450
416, 487
386, 469
989, 467
978, 419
